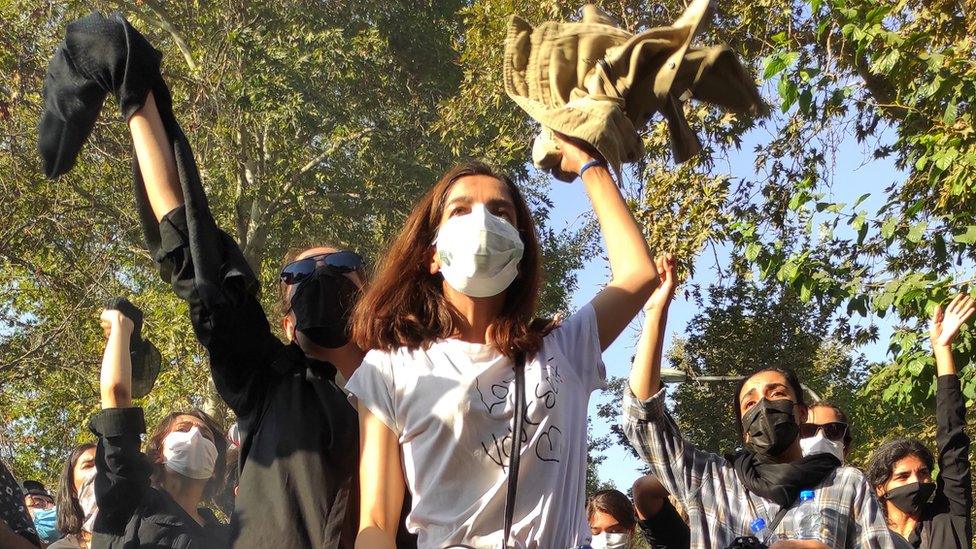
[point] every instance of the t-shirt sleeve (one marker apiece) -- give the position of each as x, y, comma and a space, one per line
579, 341
372, 386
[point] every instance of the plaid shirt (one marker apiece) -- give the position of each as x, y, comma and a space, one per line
719, 506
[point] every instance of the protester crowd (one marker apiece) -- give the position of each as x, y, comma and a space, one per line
422, 403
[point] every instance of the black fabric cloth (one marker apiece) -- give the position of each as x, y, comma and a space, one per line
13, 512
131, 513
946, 522
300, 436
782, 482
99, 55
666, 529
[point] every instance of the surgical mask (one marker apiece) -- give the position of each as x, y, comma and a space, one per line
819, 444
479, 252
771, 427
606, 540
45, 522
86, 499
322, 305
910, 498
190, 454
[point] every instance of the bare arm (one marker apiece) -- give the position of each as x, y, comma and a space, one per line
156, 161
943, 329
381, 483
116, 378
645, 375
632, 268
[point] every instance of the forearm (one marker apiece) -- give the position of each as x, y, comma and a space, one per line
944, 363
116, 377
630, 260
645, 375
156, 161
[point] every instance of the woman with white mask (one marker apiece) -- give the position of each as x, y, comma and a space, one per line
450, 321
75, 499
152, 499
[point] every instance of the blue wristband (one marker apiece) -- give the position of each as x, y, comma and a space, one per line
589, 165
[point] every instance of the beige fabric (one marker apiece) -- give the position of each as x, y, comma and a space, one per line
594, 81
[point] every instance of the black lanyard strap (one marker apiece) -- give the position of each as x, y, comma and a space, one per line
518, 421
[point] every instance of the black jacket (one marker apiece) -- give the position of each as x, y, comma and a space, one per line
300, 436
946, 522
131, 513
666, 529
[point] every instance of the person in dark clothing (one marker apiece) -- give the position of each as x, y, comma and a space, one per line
300, 435
658, 519
16, 529
152, 499
901, 470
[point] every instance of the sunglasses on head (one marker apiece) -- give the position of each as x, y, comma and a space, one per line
300, 270
832, 431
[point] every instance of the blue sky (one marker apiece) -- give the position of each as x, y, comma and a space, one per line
855, 173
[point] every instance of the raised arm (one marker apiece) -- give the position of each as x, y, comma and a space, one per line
381, 483
157, 164
121, 470
955, 475
645, 375
633, 272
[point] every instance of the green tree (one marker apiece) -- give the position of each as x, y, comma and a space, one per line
311, 122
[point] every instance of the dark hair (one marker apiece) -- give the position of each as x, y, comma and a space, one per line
615, 504
791, 380
405, 305
69, 516
849, 435
224, 497
154, 448
883, 459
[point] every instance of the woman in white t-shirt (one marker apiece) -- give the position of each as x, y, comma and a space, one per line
451, 308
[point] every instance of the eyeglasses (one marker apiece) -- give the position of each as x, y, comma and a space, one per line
342, 262
835, 430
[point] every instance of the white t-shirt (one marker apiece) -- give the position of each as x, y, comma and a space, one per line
451, 406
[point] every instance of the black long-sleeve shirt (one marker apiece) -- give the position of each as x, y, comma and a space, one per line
131, 513
946, 521
300, 436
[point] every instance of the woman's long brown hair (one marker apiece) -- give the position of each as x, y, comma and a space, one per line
404, 306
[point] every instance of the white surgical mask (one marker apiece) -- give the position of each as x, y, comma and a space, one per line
606, 540
479, 252
86, 499
190, 454
819, 444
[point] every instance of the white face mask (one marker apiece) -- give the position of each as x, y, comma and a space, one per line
606, 540
819, 444
86, 499
190, 454
479, 252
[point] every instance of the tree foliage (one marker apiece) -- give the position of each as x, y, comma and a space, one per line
312, 122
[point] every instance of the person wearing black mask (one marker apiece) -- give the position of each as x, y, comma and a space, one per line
901, 469
725, 496
300, 436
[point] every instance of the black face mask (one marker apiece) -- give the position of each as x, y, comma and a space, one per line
322, 305
910, 498
770, 426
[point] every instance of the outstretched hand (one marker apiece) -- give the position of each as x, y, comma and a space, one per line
664, 293
945, 325
574, 153
112, 320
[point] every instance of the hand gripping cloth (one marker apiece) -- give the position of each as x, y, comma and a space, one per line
596, 82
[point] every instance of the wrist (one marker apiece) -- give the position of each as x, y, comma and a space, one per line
591, 163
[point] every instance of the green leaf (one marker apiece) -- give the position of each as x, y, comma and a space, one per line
752, 251
951, 112
787, 90
968, 237
888, 227
917, 230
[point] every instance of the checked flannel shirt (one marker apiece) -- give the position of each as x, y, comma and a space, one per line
719, 506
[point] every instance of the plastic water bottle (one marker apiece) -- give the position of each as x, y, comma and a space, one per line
809, 516
761, 531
